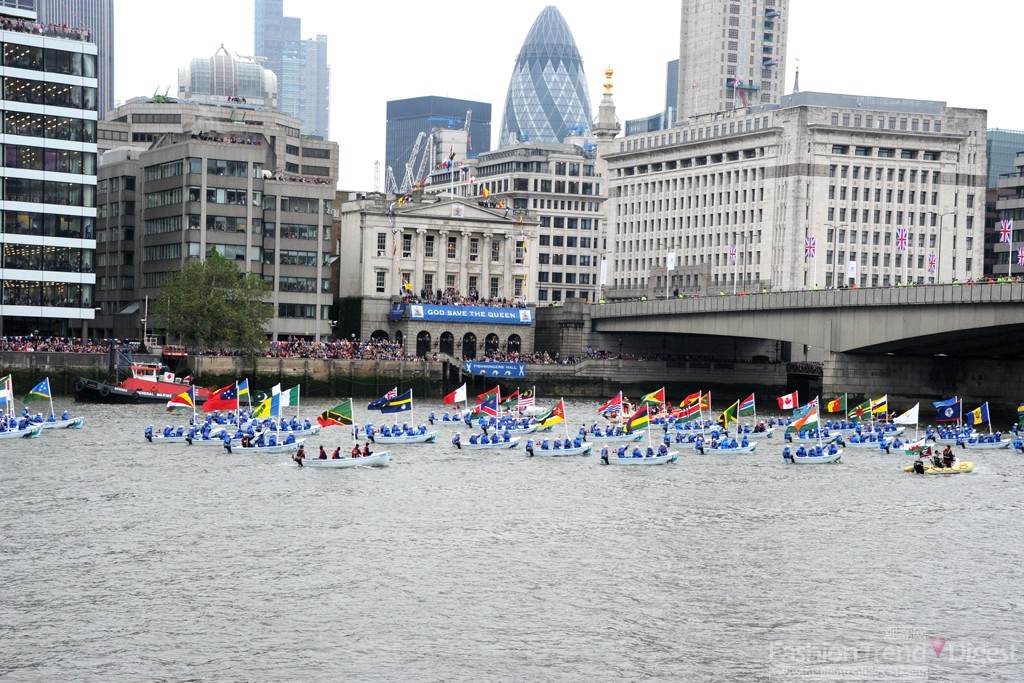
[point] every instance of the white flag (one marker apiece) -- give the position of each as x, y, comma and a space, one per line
290, 397
909, 417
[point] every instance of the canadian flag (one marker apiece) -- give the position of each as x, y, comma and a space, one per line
789, 401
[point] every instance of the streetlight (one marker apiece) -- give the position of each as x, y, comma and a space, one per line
835, 254
620, 348
938, 264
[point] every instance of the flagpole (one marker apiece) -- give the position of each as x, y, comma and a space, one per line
988, 414
735, 267
49, 393
412, 409
565, 422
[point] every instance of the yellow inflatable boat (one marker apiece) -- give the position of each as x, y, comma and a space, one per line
960, 468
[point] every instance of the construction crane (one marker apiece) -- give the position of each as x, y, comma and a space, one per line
390, 184
407, 179
428, 156
465, 127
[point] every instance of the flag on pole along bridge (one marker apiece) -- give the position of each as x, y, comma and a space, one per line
932, 262
810, 247
1020, 256
1006, 230
901, 239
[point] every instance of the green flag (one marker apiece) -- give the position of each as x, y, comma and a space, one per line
340, 414
729, 415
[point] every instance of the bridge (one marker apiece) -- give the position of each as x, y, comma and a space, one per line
983, 321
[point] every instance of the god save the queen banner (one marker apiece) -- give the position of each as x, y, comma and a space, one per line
471, 314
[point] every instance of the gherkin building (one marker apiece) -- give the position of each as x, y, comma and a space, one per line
547, 97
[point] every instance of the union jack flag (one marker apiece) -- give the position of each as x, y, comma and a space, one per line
1020, 256
810, 246
732, 254
901, 239
1006, 231
932, 262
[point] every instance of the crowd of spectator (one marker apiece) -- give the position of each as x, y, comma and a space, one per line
51, 30
37, 344
331, 349
226, 139
452, 297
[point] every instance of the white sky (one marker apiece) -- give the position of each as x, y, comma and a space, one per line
393, 49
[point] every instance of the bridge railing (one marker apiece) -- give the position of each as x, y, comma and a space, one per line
924, 295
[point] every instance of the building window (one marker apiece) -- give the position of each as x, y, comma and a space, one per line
495, 251
380, 275
382, 244
428, 247
406, 246
451, 248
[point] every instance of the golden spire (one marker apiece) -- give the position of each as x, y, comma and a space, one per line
608, 81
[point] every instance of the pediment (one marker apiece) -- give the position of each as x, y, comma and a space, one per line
458, 210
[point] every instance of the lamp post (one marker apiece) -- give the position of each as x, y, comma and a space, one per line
620, 348
938, 261
835, 253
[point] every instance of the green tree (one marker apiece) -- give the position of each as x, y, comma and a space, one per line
210, 303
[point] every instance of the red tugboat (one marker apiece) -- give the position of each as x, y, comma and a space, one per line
143, 382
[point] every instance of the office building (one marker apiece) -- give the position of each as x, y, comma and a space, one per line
732, 54
179, 179
98, 17
547, 98
1003, 148
667, 116
224, 77
303, 76
813, 192
420, 119
49, 99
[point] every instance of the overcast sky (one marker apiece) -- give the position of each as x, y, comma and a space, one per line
386, 50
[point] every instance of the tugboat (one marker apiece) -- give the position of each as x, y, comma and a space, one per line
133, 381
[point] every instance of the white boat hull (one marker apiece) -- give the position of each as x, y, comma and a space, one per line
817, 459
268, 450
562, 452
70, 423
977, 445
670, 457
429, 437
501, 445
621, 438
30, 432
739, 450
766, 434
373, 460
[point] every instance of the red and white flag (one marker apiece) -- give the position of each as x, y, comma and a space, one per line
789, 401
457, 396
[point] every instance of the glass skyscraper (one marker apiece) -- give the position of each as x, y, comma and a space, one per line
303, 77
547, 97
98, 17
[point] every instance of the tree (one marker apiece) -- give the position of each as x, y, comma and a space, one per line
210, 303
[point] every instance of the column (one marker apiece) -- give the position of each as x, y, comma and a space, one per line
463, 253
442, 261
419, 244
485, 270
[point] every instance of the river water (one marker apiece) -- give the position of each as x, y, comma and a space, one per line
125, 561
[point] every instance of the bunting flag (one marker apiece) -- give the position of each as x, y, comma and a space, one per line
612, 405
41, 390
837, 405
457, 396
222, 399
186, 399
639, 419
380, 402
553, 416
728, 416
747, 405
654, 397
340, 414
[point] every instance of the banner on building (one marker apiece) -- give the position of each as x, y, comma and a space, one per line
471, 314
494, 369
397, 311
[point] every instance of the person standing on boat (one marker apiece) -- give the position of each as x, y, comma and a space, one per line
529, 447
300, 455
604, 455
457, 440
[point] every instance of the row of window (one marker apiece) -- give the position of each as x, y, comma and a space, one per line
878, 122
570, 278
63, 294
49, 94
48, 224
49, 127
194, 165
891, 174
115, 209
901, 196
451, 281
452, 248
115, 184
544, 294
35, 58
49, 192
37, 257
888, 152
306, 285
544, 259
43, 159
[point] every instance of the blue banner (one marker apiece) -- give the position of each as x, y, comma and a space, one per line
494, 369
472, 314
397, 310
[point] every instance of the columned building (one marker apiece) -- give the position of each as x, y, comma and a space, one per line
820, 191
434, 249
181, 179
49, 177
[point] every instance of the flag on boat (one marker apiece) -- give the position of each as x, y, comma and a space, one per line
553, 416
496, 390
747, 405
526, 398
1020, 415
908, 418
804, 409
837, 405
948, 412
638, 420
222, 399
654, 397
398, 404
612, 405
946, 402
688, 411
1006, 230
880, 405
270, 406
290, 397
489, 406
978, 415
728, 416
380, 402
186, 399
789, 401
808, 421
457, 396
7, 393
243, 389
691, 399
860, 410
340, 414
914, 448
41, 390
511, 402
